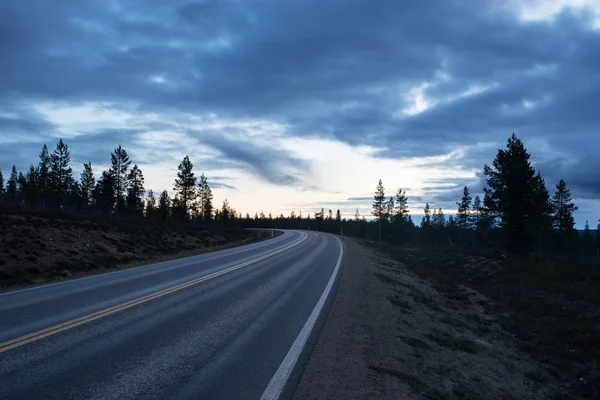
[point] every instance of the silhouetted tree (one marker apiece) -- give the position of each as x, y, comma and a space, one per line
61, 174
32, 189
164, 205
21, 188
104, 193
357, 216
88, 182
1, 185
439, 219
150, 205
119, 169
330, 215
464, 209
338, 216
516, 195
401, 205
11, 186
185, 184
135, 191
207, 205
379, 206
426, 221
44, 176
562, 208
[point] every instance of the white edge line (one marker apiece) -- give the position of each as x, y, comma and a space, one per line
277, 383
114, 272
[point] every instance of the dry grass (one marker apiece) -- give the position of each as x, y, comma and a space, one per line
37, 248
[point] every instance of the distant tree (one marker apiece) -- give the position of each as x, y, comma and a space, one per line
120, 163
21, 188
185, 184
1, 185
207, 205
293, 215
464, 209
401, 205
439, 219
104, 193
587, 239
563, 209
135, 191
452, 222
150, 205
477, 213
357, 216
88, 182
44, 184
389, 210
61, 174
75, 196
226, 211
516, 194
330, 215
200, 195
426, 221
338, 216
11, 186
164, 205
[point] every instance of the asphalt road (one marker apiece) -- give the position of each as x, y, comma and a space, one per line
225, 325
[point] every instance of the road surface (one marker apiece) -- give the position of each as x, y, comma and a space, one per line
225, 325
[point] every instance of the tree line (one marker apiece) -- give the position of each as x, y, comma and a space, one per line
118, 190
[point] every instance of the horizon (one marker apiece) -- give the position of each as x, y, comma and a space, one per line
302, 106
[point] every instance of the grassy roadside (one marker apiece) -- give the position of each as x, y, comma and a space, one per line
36, 248
550, 308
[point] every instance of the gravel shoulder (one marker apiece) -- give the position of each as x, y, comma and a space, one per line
392, 335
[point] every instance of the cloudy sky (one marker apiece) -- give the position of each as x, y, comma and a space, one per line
299, 104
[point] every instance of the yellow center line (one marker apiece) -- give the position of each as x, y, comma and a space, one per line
52, 330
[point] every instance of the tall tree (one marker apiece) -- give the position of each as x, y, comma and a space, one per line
88, 182
104, 192
200, 195
61, 174
401, 205
477, 213
464, 209
164, 205
338, 216
185, 184
11, 186
207, 205
44, 176
379, 206
426, 221
226, 212
563, 209
516, 194
120, 163
135, 191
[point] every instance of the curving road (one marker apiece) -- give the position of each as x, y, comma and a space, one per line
233, 324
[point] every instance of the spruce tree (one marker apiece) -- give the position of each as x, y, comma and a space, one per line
207, 205
1, 185
517, 195
164, 205
104, 192
201, 195
32, 191
338, 216
135, 191
357, 216
120, 163
464, 209
11, 186
185, 184
401, 205
476, 215
61, 174
44, 183
563, 209
88, 182
21, 188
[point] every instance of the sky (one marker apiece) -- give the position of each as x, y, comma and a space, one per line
303, 104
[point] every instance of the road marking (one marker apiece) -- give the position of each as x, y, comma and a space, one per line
277, 383
32, 337
209, 254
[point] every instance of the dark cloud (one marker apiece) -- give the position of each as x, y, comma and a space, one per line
338, 69
220, 185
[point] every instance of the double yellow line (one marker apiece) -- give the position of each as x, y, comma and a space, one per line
32, 337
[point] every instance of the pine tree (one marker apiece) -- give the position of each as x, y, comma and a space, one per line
389, 210
11, 186
330, 215
164, 205
135, 191
120, 163
207, 205
185, 184
44, 176
379, 206
439, 219
338, 216
200, 195
104, 192
464, 209
426, 221
516, 195
88, 182
563, 209
61, 174
21, 188
150, 205
401, 205
226, 212
357, 216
